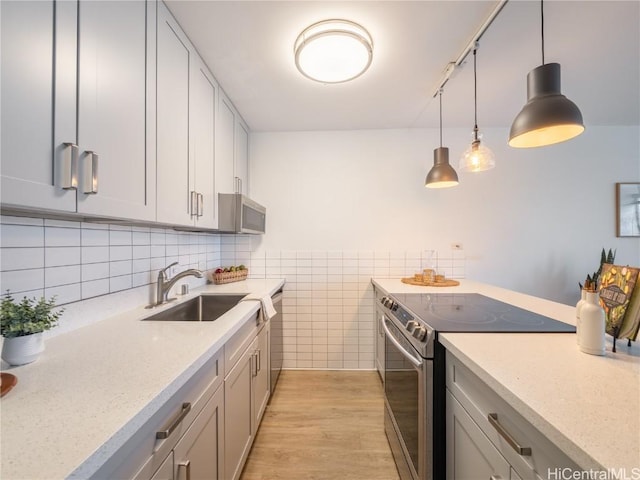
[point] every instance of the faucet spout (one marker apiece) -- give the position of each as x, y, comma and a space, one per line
165, 284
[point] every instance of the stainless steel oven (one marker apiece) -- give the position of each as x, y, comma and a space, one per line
408, 389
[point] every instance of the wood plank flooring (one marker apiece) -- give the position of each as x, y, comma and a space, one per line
323, 425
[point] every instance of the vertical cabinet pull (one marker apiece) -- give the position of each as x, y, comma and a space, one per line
193, 205
187, 466
259, 360
493, 420
200, 205
91, 172
69, 167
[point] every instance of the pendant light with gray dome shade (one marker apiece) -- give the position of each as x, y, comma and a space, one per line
442, 174
548, 117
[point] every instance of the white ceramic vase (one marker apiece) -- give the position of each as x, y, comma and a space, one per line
592, 319
22, 350
581, 302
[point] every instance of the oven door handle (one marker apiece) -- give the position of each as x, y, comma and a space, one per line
415, 361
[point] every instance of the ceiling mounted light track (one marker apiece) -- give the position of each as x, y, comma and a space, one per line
548, 117
333, 51
442, 174
478, 157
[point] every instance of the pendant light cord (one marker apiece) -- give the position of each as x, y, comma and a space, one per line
440, 118
542, 27
475, 96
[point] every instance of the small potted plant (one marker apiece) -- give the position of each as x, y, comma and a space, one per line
22, 324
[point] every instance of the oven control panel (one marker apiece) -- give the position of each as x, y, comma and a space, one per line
411, 324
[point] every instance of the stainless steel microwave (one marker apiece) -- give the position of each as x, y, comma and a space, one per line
239, 214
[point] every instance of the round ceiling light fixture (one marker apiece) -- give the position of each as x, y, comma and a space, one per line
333, 51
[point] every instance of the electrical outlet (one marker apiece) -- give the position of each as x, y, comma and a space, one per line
456, 246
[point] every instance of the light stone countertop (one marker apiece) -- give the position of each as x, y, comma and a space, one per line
94, 387
588, 406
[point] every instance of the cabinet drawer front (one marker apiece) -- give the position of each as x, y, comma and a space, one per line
479, 400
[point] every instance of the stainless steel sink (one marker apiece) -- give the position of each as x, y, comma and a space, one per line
204, 308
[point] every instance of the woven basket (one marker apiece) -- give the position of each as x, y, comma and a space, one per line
229, 277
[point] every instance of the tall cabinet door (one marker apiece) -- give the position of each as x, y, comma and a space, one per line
174, 59
32, 150
203, 111
225, 145
238, 413
115, 87
241, 163
261, 376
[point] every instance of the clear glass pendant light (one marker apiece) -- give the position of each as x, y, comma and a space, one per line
478, 157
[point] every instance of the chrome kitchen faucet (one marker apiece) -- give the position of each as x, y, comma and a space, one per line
164, 284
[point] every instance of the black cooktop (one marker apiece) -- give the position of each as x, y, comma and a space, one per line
472, 312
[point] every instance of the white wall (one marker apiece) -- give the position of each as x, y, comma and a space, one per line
534, 224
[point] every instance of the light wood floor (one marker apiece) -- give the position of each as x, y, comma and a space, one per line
323, 425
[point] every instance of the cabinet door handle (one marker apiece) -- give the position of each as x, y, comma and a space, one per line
200, 204
493, 420
495, 477
91, 172
187, 465
259, 360
193, 203
69, 167
162, 434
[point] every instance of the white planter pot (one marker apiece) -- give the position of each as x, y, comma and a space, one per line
22, 350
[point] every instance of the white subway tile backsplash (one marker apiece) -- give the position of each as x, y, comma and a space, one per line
328, 306
56, 276
120, 237
22, 236
59, 256
11, 220
90, 237
95, 271
117, 284
21, 258
22, 280
95, 288
65, 293
95, 254
61, 237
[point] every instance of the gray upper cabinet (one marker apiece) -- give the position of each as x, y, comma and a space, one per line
174, 58
30, 164
116, 94
78, 132
232, 149
186, 129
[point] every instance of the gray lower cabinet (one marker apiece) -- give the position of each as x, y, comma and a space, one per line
197, 455
246, 394
470, 454
488, 439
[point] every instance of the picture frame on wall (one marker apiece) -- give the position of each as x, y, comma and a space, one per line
628, 209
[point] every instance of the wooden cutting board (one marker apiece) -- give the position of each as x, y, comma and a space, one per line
444, 283
7, 382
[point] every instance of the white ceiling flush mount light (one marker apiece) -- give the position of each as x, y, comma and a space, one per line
333, 51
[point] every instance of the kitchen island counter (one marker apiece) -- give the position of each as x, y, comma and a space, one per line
95, 387
588, 406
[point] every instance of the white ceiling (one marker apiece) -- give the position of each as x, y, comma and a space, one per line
249, 47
